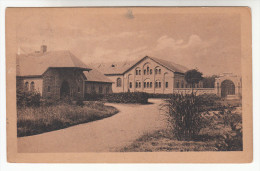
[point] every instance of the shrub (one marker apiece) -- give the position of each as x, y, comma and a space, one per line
232, 141
129, 97
93, 96
27, 99
157, 95
184, 115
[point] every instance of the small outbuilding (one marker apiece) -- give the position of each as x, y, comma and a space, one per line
59, 74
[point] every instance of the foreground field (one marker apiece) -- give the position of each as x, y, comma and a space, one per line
36, 120
222, 133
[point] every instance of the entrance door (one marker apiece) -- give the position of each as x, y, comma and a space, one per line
227, 88
64, 90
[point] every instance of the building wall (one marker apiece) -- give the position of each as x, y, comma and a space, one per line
30, 84
115, 87
53, 79
98, 88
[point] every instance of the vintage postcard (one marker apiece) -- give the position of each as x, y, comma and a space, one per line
129, 85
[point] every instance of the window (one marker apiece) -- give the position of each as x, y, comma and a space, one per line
139, 72
130, 85
136, 72
151, 71
166, 85
151, 84
107, 90
158, 84
26, 86
157, 70
118, 82
137, 84
144, 84
32, 86
147, 85
148, 70
49, 89
144, 72
178, 84
100, 89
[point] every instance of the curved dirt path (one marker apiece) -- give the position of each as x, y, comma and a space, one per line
105, 135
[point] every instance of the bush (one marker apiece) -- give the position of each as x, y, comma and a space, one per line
93, 97
232, 141
129, 97
27, 99
157, 95
184, 115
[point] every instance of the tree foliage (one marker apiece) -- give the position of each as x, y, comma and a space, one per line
193, 76
209, 82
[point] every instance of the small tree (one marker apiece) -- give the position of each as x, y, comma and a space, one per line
193, 77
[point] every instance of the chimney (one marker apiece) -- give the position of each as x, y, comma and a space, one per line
43, 48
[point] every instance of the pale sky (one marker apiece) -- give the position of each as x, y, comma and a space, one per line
209, 42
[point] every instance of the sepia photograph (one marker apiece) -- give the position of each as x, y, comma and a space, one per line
130, 80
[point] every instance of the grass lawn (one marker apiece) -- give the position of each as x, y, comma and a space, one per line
36, 120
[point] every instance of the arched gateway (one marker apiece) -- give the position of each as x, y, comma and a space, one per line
228, 86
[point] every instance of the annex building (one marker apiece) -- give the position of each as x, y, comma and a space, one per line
59, 74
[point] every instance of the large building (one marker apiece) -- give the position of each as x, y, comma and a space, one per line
148, 74
58, 74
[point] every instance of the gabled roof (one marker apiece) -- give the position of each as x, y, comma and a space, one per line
119, 68
95, 76
115, 67
36, 64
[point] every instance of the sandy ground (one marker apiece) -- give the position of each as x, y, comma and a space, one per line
110, 134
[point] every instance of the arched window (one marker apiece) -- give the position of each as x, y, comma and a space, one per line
32, 86
158, 84
137, 71
147, 83
166, 85
118, 82
137, 84
130, 84
157, 70
146, 68
26, 86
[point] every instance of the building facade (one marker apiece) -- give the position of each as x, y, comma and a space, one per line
149, 74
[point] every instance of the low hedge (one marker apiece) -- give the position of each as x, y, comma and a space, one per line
129, 97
